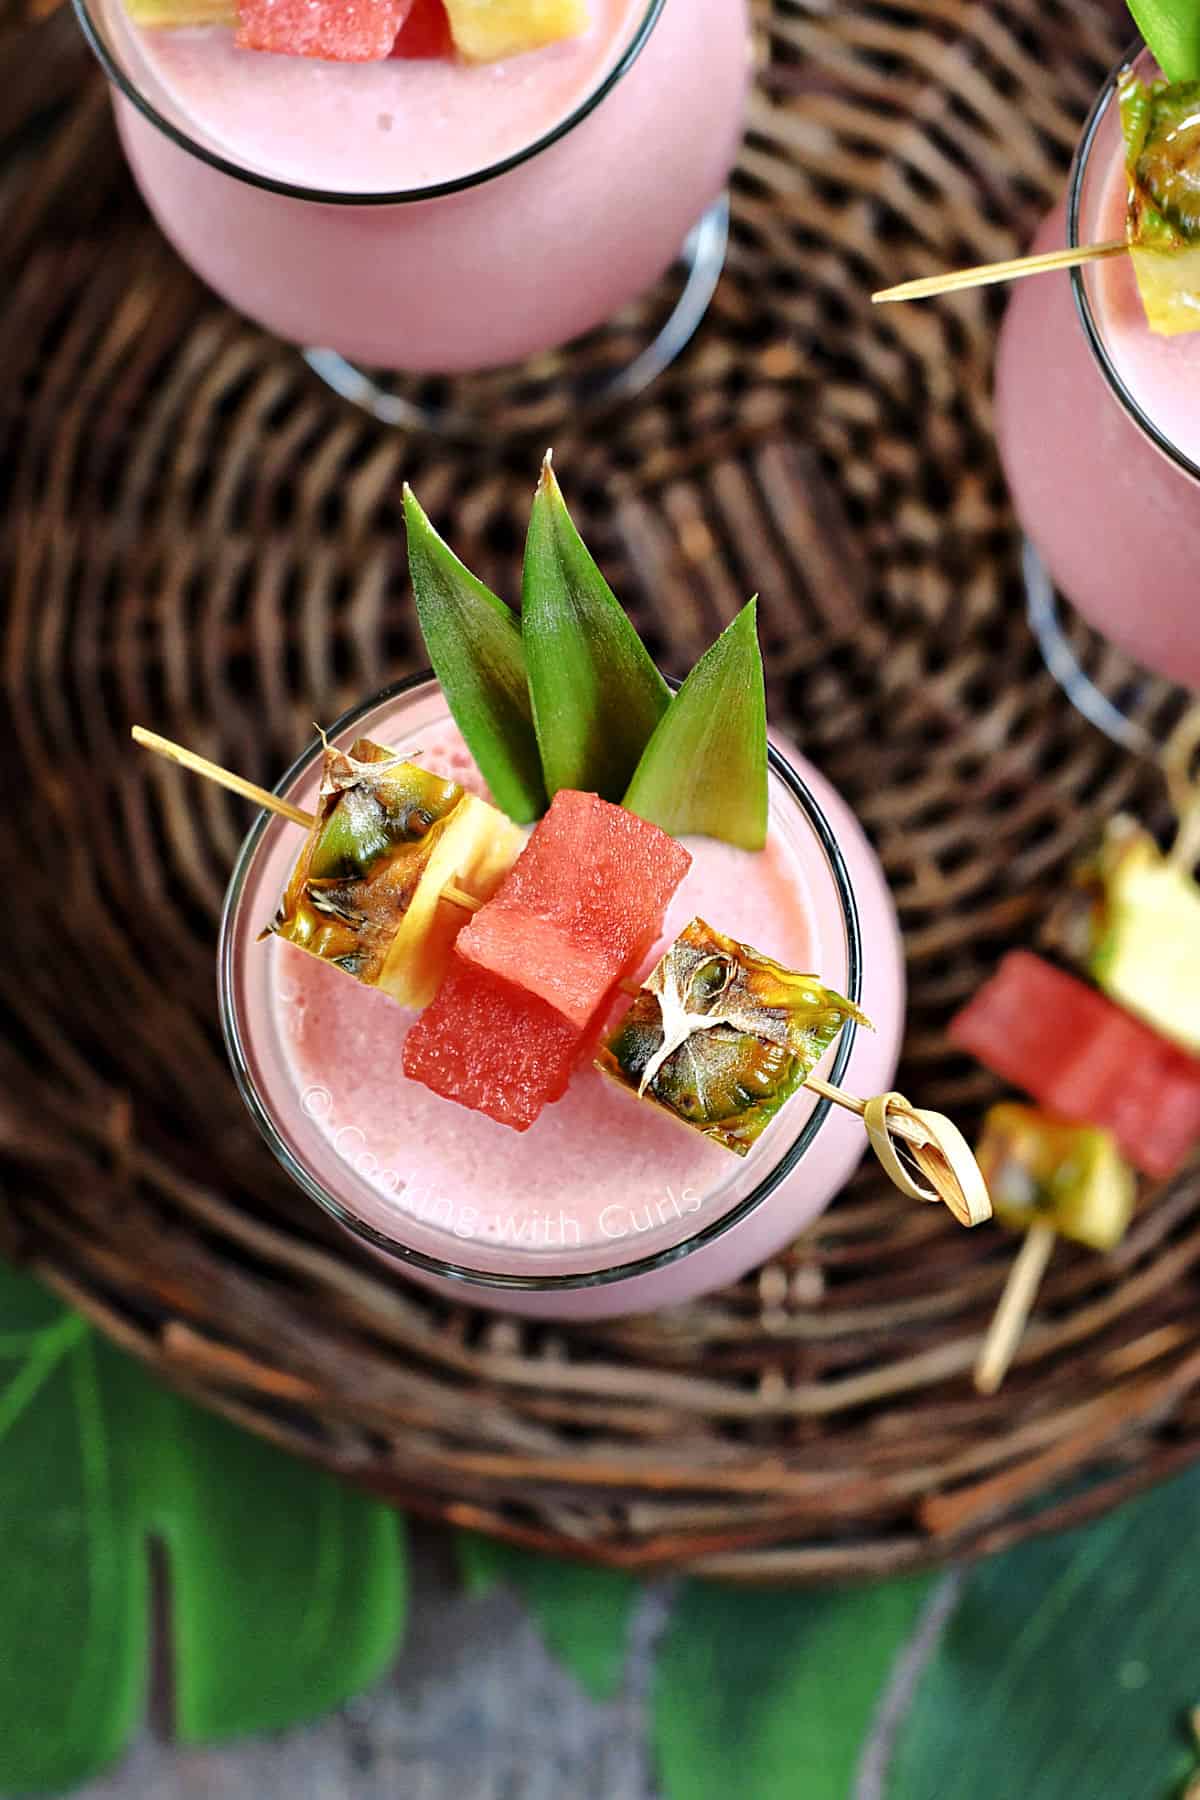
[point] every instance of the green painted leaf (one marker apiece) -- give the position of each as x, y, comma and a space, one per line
770, 1693
597, 696
286, 1588
705, 768
73, 1576
474, 645
1079, 1655
1171, 28
582, 1612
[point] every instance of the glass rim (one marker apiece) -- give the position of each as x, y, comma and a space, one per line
461, 1272
120, 78
1083, 305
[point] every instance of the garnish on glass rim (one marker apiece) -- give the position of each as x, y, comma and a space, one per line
1163, 239
597, 697
897, 1130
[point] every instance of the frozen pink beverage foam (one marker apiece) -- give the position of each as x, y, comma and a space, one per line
600, 1182
312, 195
1110, 500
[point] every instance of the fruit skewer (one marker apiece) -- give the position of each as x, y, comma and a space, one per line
927, 1139
1130, 923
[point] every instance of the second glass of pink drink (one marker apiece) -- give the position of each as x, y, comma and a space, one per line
1099, 429
432, 215
606, 1205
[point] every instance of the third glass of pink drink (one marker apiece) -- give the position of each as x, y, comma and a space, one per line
1099, 428
606, 1205
433, 215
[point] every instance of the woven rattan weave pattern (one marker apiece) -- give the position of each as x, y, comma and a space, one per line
198, 537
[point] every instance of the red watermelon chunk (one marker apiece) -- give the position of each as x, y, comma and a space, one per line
583, 901
489, 1046
339, 30
1084, 1058
426, 31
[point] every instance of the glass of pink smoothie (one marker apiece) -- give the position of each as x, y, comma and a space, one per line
1099, 429
431, 216
606, 1205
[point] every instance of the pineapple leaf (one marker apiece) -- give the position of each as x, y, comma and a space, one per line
474, 644
597, 697
1171, 29
705, 768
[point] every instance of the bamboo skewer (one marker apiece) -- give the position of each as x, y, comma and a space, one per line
237, 784
933, 1141
1015, 269
250, 790
1016, 1303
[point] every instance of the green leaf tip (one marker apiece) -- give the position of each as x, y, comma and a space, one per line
474, 645
597, 697
1171, 29
582, 1611
704, 771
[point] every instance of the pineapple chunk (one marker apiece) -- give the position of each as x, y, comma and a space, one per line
1169, 284
153, 14
366, 892
721, 1036
487, 30
1131, 919
475, 851
1160, 124
1044, 1170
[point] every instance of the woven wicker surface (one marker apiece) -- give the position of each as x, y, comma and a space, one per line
198, 537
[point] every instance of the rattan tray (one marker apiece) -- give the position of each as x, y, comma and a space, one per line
199, 537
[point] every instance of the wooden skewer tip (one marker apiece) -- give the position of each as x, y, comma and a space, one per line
1016, 268
211, 771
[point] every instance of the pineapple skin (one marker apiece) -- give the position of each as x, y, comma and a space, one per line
366, 891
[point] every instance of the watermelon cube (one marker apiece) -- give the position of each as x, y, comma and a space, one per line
583, 901
425, 32
1085, 1059
338, 30
492, 1047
